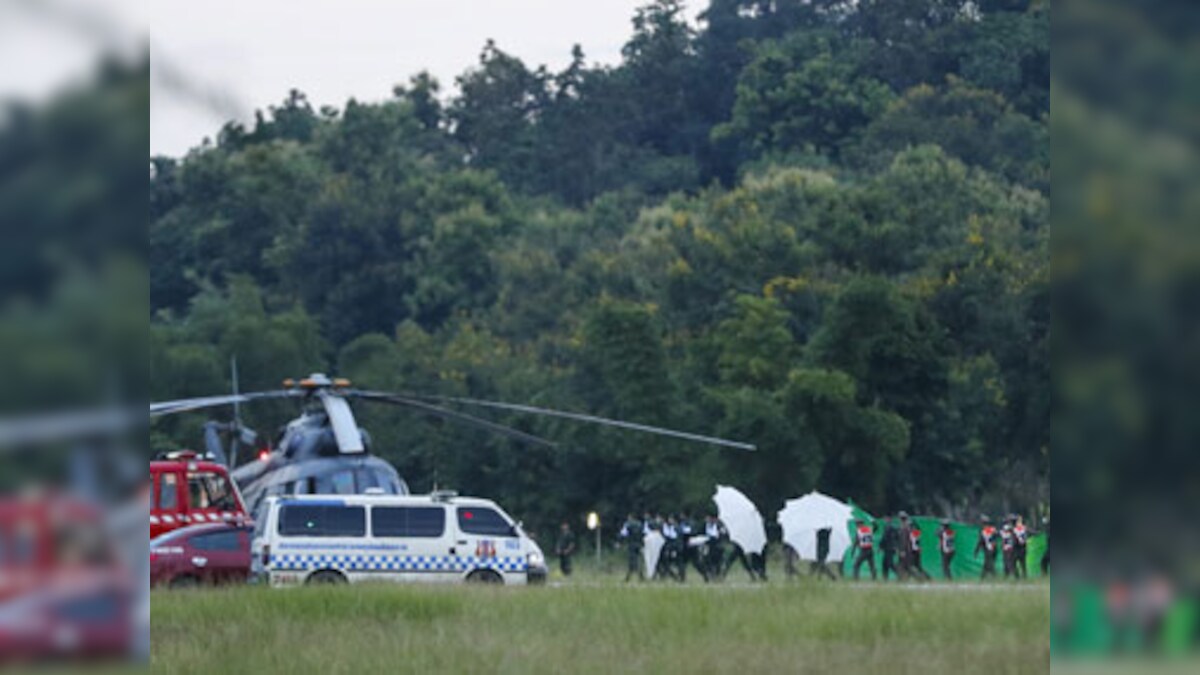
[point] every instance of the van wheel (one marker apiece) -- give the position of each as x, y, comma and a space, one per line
326, 578
484, 577
184, 582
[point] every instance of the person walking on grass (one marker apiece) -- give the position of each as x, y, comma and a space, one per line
890, 545
864, 543
631, 535
819, 567
565, 548
914, 552
1020, 548
987, 545
946, 547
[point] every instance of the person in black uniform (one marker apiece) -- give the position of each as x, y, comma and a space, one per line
889, 543
565, 548
631, 535
716, 533
987, 544
819, 566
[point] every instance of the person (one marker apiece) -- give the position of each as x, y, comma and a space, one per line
905, 555
1020, 548
1007, 546
946, 547
688, 554
819, 566
565, 548
790, 557
987, 545
668, 562
1046, 553
716, 533
864, 542
890, 544
631, 535
914, 552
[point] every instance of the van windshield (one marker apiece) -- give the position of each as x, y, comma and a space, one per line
485, 521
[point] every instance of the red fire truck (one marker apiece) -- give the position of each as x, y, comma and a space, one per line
189, 489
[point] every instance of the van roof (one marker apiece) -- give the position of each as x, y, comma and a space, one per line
384, 499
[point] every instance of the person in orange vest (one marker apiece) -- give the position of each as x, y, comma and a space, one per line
864, 541
946, 547
1007, 545
914, 551
987, 545
1020, 549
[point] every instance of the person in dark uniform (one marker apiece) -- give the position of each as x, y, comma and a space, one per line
819, 566
864, 543
904, 555
1007, 546
987, 545
1020, 548
715, 547
946, 547
914, 552
565, 548
890, 545
668, 562
631, 535
688, 554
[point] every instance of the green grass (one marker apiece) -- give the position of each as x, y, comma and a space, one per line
604, 627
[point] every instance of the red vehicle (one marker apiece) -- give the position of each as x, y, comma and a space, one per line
212, 554
188, 490
63, 590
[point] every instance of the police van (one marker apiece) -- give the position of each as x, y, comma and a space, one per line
441, 537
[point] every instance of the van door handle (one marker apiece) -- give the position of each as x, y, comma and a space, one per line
462, 542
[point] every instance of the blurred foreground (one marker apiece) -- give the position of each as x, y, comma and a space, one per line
73, 337
1126, 256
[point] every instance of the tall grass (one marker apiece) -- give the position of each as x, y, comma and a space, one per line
604, 628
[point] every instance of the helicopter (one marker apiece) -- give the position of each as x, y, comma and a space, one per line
324, 451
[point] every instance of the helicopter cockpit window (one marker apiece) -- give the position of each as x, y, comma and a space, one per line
210, 491
340, 483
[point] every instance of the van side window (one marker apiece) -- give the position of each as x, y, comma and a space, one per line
168, 492
312, 520
482, 520
405, 521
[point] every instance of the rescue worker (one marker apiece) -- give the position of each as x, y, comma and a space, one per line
987, 544
668, 562
689, 555
715, 531
1020, 548
904, 557
914, 552
819, 566
565, 548
890, 544
1007, 546
631, 534
946, 547
864, 542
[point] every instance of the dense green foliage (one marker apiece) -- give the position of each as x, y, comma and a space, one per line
818, 226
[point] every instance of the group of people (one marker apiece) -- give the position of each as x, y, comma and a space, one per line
900, 546
705, 546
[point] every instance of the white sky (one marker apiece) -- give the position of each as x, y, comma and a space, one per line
246, 54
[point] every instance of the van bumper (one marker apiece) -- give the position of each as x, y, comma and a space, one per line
537, 575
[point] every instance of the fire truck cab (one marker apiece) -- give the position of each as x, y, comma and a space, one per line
188, 489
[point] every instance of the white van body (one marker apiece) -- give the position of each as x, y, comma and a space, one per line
434, 538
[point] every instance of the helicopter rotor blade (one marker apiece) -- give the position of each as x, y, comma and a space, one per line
593, 419
452, 415
192, 404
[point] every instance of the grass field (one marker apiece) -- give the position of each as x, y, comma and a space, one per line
604, 626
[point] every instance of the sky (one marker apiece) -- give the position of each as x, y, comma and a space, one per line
214, 59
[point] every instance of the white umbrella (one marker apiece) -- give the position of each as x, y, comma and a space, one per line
741, 518
801, 518
652, 546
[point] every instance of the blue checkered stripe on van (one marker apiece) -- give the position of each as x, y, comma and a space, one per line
394, 563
